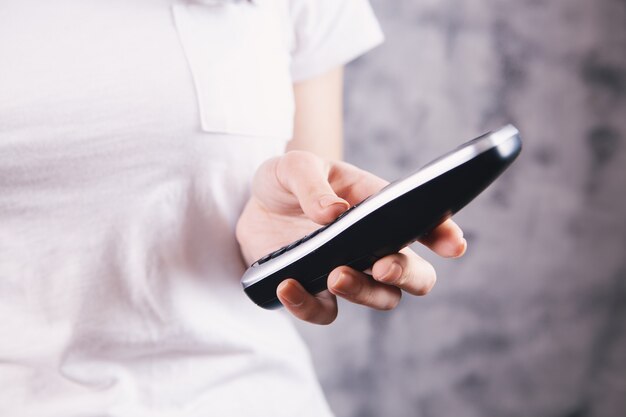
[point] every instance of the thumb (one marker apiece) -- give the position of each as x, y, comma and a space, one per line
305, 176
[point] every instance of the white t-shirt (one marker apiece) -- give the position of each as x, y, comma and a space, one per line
129, 132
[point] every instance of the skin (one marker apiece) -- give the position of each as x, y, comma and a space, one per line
309, 186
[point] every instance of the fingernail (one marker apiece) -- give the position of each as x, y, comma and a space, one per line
462, 248
456, 248
328, 200
337, 281
292, 294
394, 270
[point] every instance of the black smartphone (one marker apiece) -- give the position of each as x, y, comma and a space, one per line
387, 221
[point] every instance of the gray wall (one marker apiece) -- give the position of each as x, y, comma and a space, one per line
532, 322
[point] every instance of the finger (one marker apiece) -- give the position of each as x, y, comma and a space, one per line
359, 288
318, 309
355, 185
306, 177
405, 270
352, 183
446, 240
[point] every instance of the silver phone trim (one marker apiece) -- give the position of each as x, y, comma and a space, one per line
394, 190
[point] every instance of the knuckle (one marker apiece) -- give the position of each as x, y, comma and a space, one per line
407, 274
367, 296
288, 163
306, 313
394, 278
405, 278
353, 284
283, 165
294, 159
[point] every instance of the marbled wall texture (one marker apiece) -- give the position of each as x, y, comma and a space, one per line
532, 322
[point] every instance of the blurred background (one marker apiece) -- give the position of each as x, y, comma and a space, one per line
532, 321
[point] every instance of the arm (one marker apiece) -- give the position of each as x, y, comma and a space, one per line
309, 186
318, 124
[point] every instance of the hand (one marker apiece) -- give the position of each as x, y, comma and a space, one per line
293, 195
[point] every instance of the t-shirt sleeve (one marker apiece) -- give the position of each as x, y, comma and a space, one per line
330, 33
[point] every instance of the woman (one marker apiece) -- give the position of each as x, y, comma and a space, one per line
129, 134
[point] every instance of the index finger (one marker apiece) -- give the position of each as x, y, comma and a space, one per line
355, 185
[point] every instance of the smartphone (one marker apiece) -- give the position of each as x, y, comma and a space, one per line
387, 221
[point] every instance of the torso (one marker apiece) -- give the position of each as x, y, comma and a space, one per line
119, 269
